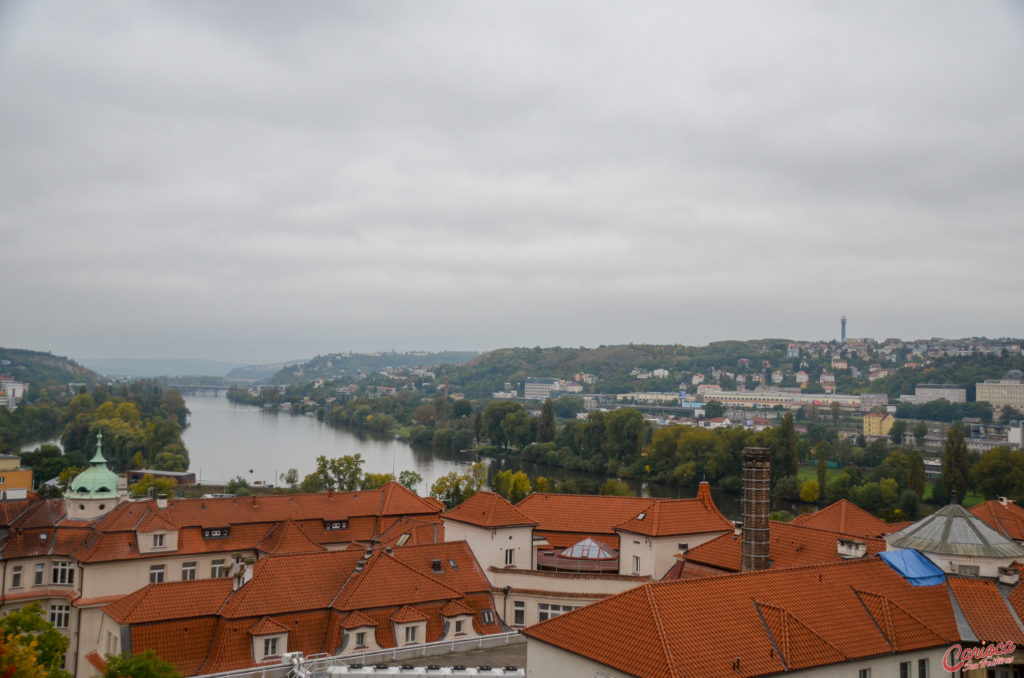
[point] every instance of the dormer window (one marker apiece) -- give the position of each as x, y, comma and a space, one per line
158, 541
335, 525
435, 566
216, 533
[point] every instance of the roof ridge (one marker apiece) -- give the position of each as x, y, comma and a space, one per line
660, 630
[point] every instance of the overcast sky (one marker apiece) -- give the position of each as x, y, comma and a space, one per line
266, 181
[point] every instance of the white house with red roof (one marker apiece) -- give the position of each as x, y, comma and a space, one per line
552, 553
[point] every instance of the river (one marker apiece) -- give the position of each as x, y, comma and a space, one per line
225, 440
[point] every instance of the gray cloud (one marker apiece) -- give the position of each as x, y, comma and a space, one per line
262, 182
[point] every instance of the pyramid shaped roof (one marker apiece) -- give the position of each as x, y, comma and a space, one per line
953, 530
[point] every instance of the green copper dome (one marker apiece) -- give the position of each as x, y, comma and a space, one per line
97, 481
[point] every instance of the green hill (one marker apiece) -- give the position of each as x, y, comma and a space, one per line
44, 369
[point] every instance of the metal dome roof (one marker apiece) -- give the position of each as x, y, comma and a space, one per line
953, 530
97, 481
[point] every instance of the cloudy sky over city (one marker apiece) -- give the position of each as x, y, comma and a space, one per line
258, 182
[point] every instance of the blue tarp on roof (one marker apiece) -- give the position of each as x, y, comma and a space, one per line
913, 567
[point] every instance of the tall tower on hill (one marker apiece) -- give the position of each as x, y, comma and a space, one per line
843, 332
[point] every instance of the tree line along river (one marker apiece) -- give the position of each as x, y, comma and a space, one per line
226, 440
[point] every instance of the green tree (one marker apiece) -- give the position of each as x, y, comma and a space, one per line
513, 485
238, 486
567, 406
452, 489
999, 472
714, 409
616, 488
371, 481
899, 427
142, 665
410, 479
809, 491
786, 453
836, 412
920, 431
518, 428
343, 473
822, 468
19, 661
165, 486
915, 473
290, 477
29, 629
546, 425
493, 417
956, 465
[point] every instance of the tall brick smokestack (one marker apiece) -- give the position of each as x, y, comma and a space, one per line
757, 464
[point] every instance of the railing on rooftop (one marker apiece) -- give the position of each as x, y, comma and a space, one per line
367, 663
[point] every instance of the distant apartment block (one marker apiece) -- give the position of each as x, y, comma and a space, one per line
878, 424
11, 391
538, 388
926, 393
1008, 391
14, 480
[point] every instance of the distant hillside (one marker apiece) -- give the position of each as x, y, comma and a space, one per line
44, 369
260, 373
157, 367
337, 365
612, 365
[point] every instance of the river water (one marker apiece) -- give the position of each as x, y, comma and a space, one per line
225, 440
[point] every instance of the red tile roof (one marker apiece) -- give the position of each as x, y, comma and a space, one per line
384, 582
487, 509
266, 627
811, 615
412, 531
789, 546
982, 604
10, 509
1007, 519
288, 537
581, 514
669, 517
845, 516
454, 608
202, 626
408, 614
171, 600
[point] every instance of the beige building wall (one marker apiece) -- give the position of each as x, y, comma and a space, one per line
491, 545
1001, 393
559, 591
656, 554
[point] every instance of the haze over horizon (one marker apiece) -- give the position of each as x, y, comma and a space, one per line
263, 183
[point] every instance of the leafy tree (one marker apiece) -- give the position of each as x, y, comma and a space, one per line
915, 473
546, 425
494, 416
452, 489
809, 491
541, 484
514, 486
238, 486
290, 477
999, 473
567, 406
18, 660
410, 479
713, 409
47, 461
956, 465
836, 412
616, 488
143, 665
822, 469
461, 408
920, 431
518, 428
787, 489
164, 486
28, 629
788, 461
424, 415
371, 481
899, 427
341, 473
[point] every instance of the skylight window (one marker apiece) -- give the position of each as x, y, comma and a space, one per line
641, 516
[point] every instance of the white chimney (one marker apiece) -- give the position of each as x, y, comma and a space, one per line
161, 501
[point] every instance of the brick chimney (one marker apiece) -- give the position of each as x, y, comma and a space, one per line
757, 462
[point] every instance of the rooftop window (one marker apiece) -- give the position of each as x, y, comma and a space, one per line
216, 533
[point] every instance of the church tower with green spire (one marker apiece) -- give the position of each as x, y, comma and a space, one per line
94, 491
